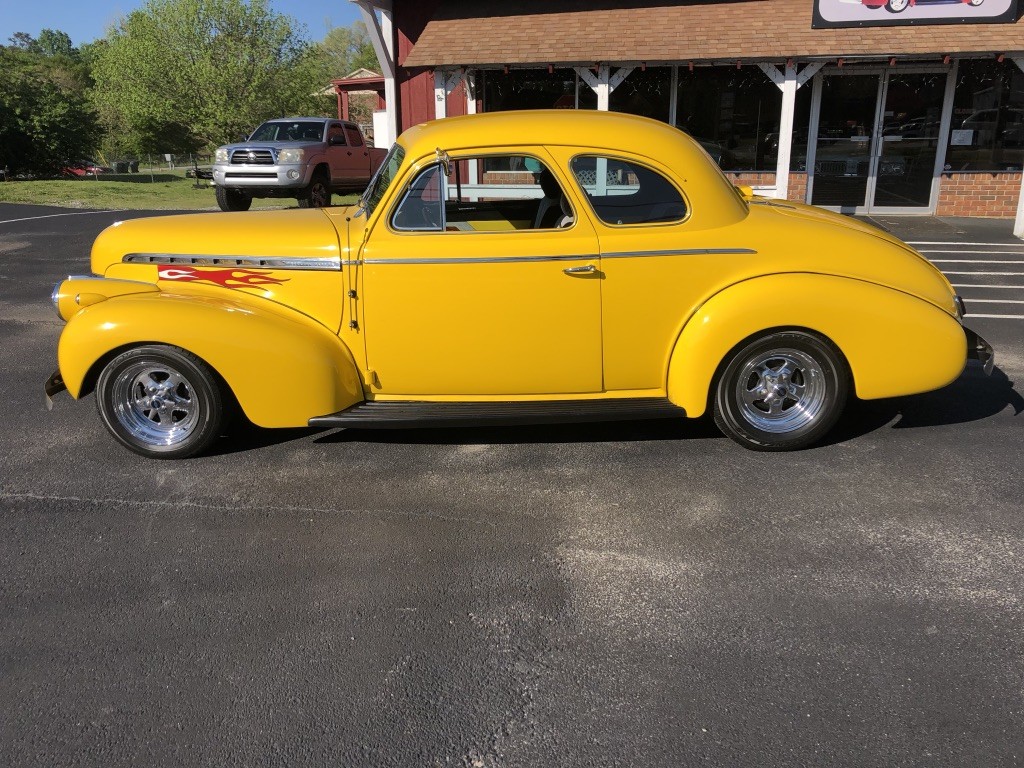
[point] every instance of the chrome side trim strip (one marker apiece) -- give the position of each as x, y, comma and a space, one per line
683, 252
486, 260
258, 262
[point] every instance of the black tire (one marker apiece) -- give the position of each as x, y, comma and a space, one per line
161, 402
897, 6
232, 200
317, 194
781, 392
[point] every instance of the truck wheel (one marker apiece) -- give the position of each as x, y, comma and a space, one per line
781, 391
160, 401
317, 194
230, 200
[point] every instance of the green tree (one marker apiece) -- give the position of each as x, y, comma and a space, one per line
346, 49
179, 75
45, 120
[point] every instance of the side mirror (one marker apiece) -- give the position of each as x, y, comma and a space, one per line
337, 141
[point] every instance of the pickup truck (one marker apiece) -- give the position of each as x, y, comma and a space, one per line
306, 158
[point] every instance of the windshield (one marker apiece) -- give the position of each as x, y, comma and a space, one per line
289, 130
382, 178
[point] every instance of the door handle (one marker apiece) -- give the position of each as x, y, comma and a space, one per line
580, 270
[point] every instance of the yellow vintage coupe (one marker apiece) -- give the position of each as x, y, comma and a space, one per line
509, 268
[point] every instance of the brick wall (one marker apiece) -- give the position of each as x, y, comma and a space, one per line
979, 194
797, 182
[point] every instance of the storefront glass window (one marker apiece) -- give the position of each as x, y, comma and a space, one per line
529, 89
987, 132
734, 113
645, 92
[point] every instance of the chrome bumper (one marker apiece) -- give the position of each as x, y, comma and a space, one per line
980, 350
54, 385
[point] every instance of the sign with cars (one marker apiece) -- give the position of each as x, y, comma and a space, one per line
887, 13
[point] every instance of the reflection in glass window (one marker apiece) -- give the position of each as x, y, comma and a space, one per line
987, 132
627, 193
645, 92
733, 113
529, 89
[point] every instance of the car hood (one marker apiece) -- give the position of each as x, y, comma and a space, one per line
275, 145
214, 239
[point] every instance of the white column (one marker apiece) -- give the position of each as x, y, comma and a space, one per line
789, 87
604, 82
382, 36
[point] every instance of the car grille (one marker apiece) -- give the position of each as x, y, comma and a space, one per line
252, 157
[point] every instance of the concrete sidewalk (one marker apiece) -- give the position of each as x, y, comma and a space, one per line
995, 231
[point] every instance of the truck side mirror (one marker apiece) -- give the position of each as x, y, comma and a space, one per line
337, 141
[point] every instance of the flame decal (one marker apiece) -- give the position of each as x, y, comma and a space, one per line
227, 278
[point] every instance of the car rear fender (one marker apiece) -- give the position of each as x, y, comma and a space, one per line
282, 367
894, 343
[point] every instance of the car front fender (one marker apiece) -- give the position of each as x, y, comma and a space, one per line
283, 367
894, 343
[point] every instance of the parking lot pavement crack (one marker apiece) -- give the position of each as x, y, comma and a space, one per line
101, 501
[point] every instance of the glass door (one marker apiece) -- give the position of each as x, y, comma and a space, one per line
910, 140
842, 153
875, 137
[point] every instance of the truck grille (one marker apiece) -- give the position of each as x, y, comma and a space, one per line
252, 157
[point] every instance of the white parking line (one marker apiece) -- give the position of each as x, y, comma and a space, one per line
974, 261
1004, 317
985, 253
1000, 274
996, 301
957, 242
54, 215
969, 285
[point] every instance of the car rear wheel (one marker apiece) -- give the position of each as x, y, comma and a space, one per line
317, 194
232, 200
160, 401
781, 392
897, 6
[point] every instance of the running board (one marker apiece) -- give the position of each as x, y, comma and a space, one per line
394, 414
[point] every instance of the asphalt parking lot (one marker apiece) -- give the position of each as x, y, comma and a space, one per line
618, 594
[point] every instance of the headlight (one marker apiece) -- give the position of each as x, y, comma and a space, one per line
221, 155
293, 155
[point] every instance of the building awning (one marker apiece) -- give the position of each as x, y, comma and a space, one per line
488, 33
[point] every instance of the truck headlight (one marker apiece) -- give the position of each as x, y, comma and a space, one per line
291, 155
221, 155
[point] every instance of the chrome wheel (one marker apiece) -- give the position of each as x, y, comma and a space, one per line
156, 404
782, 391
160, 401
897, 6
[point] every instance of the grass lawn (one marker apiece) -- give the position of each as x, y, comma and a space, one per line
166, 190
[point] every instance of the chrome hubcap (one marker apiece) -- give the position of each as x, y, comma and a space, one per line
155, 403
781, 391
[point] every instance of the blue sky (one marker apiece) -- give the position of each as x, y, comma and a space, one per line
87, 20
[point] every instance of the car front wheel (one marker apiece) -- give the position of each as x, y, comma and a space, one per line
231, 200
897, 6
160, 401
317, 194
781, 392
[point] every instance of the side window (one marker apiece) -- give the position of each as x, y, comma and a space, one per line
487, 193
621, 192
422, 207
355, 139
334, 132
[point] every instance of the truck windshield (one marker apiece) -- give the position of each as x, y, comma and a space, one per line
289, 130
382, 178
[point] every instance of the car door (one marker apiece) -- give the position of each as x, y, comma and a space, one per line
658, 263
463, 296
339, 155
